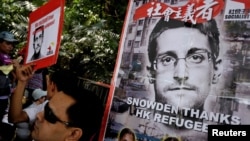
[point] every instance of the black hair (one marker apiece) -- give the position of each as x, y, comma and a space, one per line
65, 81
39, 28
86, 113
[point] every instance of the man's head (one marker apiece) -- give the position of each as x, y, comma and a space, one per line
75, 117
7, 42
183, 61
38, 39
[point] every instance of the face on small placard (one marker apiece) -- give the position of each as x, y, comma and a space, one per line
38, 40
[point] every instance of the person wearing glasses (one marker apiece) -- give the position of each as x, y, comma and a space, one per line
75, 117
63, 85
184, 65
62, 80
37, 43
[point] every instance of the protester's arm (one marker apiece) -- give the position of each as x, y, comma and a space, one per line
15, 63
16, 113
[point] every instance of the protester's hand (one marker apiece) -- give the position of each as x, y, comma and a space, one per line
24, 72
15, 63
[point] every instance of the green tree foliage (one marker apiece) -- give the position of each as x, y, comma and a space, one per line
115, 12
90, 33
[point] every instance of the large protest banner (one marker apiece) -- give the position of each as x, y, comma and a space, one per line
182, 65
44, 37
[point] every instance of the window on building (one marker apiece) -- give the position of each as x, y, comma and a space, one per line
137, 3
140, 22
130, 29
136, 44
153, 21
138, 33
130, 43
235, 105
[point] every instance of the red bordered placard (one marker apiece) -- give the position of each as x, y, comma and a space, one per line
44, 37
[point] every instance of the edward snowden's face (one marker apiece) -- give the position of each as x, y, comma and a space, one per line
38, 40
183, 68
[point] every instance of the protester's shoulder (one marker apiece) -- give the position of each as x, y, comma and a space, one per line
32, 111
35, 108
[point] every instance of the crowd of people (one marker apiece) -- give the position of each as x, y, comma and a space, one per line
41, 106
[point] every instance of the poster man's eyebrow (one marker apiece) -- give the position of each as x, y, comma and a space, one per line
194, 50
169, 53
190, 51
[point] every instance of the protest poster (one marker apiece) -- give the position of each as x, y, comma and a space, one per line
44, 37
182, 65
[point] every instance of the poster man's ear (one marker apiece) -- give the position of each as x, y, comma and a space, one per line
217, 71
151, 79
151, 75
